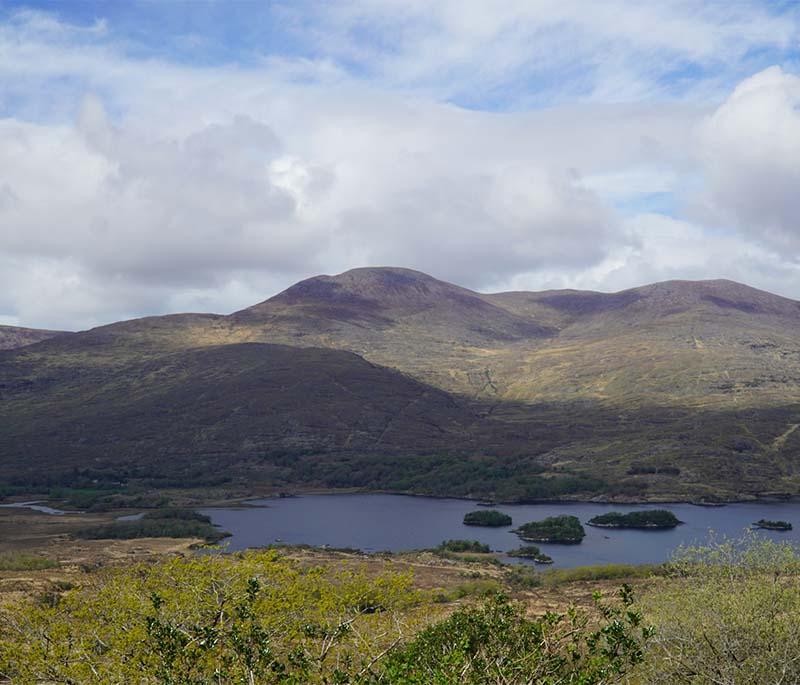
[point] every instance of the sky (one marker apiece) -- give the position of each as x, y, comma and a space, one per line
160, 157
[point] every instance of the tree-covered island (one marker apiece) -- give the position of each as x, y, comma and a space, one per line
653, 519
531, 552
487, 517
772, 525
566, 530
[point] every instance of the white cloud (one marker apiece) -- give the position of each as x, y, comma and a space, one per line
614, 49
132, 186
101, 203
750, 151
664, 248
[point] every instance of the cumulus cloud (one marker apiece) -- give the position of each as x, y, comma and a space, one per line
750, 152
478, 227
102, 203
139, 185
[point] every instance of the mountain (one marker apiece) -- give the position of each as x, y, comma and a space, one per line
12, 337
709, 343
381, 300
206, 404
389, 378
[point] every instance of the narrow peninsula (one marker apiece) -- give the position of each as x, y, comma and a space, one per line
772, 525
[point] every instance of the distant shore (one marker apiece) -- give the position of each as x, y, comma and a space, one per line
208, 498
627, 501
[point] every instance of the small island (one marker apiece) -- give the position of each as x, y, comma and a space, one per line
489, 517
564, 530
772, 525
531, 552
653, 519
462, 546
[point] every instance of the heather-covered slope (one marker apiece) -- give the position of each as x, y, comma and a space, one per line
12, 337
256, 413
247, 399
674, 389
708, 344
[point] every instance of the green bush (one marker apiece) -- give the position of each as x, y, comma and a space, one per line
482, 587
727, 614
222, 619
497, 643
259, 618
523, 577
463, 546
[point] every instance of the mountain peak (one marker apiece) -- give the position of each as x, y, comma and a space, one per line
384, 296
720, 293
370, 284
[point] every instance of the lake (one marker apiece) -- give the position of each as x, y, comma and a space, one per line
37, 506
399, 523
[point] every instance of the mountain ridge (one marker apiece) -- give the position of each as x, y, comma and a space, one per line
675, 389
12, 337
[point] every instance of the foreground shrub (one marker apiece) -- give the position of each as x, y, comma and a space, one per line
496, 643
730, 614
250, 618
259, 618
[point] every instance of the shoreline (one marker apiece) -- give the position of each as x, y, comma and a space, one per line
643, 527
484, 502
211, 500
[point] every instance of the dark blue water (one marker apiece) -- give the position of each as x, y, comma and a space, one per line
398, 523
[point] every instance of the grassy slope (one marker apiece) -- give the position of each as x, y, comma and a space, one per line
702, 377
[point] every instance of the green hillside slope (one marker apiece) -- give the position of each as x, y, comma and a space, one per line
675, 390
